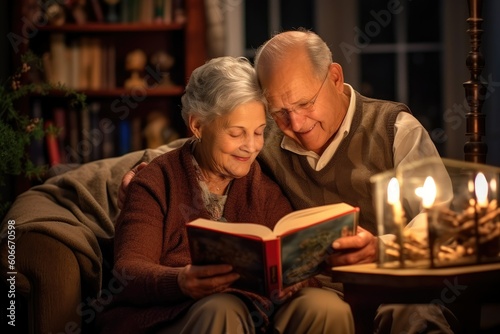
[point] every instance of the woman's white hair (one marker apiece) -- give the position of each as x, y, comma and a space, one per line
218, 87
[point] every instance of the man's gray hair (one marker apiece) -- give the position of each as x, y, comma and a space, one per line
218, 87
278, 48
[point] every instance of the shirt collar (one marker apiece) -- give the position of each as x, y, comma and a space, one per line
291, 145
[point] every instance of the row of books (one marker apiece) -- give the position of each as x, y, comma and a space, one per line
86, 135
85, 63
152, 11
124, 11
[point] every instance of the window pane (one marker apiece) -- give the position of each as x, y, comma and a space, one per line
424, 20
378, 75
256, 23
376, 21
296, 14
425, 90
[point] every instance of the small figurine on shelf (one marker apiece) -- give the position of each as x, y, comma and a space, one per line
163, 62
55, 14
158, 130
135, 63
112, 15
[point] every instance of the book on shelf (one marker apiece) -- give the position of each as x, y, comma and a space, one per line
151, 11
271, 260
52, 143
124, 137
59, 115
95, 136
97, 10
84, 146
36, 149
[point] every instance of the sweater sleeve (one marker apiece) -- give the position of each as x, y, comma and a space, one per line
139, 242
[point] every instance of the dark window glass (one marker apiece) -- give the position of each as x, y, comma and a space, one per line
378, 75
424, 21
425, 89
296, 14
377, 21
256, 23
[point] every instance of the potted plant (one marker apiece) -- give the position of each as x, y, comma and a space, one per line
18, 130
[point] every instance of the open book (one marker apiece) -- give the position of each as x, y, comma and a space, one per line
267, 260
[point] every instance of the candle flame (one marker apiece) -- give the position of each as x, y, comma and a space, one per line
393, 191
493, 185
428, 192
481, 186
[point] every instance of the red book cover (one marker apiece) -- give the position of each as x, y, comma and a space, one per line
97, 10
52, 144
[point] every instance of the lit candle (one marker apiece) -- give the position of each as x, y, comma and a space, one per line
428, 195
393, 198
428, 192
481, 188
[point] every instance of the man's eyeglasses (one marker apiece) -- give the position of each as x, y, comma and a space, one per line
301, 109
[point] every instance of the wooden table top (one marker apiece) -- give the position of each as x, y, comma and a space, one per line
370, 274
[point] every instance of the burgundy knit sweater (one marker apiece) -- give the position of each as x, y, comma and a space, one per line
151, 242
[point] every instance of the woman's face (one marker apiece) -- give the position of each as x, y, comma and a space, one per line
231, 143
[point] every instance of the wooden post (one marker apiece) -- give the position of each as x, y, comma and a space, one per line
475, 90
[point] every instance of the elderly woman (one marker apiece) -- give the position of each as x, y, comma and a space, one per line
213, 176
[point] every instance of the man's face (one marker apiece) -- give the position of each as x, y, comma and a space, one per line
307, 109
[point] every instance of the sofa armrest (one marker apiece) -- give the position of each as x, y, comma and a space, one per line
53, 273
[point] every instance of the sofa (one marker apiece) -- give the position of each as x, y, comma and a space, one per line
63, 254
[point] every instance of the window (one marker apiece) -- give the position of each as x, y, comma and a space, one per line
264, 18
401, 55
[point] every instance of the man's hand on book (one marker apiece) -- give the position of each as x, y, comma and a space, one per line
200, 281
359, 248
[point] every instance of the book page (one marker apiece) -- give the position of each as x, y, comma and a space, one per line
301, 218
258, 231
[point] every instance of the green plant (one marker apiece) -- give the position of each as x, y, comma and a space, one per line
17, 129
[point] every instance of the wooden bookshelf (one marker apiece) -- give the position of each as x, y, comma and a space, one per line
174, 91
113, 27
112, 100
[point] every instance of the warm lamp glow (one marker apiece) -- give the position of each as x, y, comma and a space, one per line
428, 192
481, 186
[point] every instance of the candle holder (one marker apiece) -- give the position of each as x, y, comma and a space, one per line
437, 213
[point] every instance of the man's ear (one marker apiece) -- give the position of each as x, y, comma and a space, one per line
195, 126
336, 76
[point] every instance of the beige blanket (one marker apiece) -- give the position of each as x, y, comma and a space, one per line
78, 208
